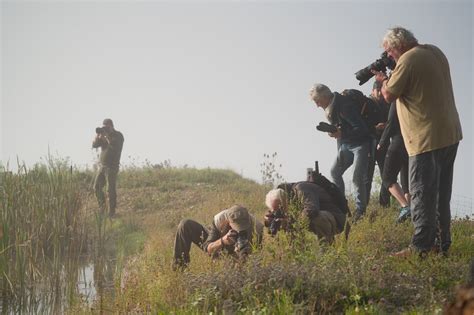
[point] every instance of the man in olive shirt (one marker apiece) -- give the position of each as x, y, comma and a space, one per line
430, 126
232, 230
110, 141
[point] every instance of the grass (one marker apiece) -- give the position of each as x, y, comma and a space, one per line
353, 276
284, 277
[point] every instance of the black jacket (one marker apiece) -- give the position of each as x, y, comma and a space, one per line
346, 115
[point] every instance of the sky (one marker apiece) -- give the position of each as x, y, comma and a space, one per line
206, 83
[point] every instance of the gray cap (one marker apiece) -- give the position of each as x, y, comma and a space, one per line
239, 218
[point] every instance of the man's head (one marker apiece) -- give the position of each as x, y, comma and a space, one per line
239, 218
276, 199
321, 95
397, 41
108, 124
376, 93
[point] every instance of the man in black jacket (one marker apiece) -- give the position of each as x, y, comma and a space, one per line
353, 141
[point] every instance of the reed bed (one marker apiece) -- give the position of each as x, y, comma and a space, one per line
42, 234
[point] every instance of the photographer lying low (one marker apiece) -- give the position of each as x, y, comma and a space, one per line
233, 231
326, 219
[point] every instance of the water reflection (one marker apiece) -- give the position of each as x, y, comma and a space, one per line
84, 284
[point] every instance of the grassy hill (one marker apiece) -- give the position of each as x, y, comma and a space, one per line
284, 277
49, 212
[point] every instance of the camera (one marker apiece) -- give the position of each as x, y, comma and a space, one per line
325, 127
381, 64
242, 244
100, 130
275, 223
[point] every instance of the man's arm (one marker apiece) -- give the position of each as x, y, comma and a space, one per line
389, 97
99, 141
215, 242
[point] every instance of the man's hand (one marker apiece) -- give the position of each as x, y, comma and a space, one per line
230, 238
380, 126
336, 134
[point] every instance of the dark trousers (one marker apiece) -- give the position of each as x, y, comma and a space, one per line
107, 175
188, 232
379, 157
431, 180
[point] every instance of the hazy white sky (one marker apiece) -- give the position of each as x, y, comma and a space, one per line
205, 83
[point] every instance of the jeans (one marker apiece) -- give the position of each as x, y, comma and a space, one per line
431, 180
357, 154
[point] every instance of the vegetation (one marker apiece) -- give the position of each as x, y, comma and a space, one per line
285, 276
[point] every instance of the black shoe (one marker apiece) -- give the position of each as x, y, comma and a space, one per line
357, 216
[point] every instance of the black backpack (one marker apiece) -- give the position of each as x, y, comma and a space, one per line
367, 107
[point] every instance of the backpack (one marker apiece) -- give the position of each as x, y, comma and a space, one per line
368, 108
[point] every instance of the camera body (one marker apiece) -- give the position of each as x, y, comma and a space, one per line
242, 244
100, 130
325, 127
381, 64
275, 222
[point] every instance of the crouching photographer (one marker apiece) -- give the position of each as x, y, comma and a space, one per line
326, 218
233, 231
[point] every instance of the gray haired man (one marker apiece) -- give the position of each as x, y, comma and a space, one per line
431, 130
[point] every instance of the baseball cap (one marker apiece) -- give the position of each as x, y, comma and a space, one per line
239, 218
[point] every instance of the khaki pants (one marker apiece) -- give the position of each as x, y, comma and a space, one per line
324, 226
106, 175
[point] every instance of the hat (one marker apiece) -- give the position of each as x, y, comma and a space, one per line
239, 218
108, 121
377, 85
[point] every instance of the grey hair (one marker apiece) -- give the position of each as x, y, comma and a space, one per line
319, 91
399, 37
275, 194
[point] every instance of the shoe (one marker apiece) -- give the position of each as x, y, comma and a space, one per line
404, 214
404, 253
357, 216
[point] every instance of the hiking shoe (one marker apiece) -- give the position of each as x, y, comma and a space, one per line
357, 216
404, 214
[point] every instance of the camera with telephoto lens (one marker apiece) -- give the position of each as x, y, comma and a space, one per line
325, 127
275, 222
381, 64
100, 130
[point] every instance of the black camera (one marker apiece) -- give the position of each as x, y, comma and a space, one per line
325, 127
100, 130
242, 244
381, 64
275, 222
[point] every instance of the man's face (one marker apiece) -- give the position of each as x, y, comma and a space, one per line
108, 128
394, 52
322, 102
377, 94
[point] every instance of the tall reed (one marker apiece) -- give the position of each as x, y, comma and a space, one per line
41, 225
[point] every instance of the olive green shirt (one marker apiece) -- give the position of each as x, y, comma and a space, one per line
111, 150
421, 81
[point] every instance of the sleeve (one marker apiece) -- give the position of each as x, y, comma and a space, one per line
390, 127
354, 119
399, 79
98, 142
214, 235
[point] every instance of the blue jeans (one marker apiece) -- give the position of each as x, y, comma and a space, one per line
357, 154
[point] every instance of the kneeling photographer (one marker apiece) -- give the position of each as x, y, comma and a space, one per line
325, 217
232, 231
